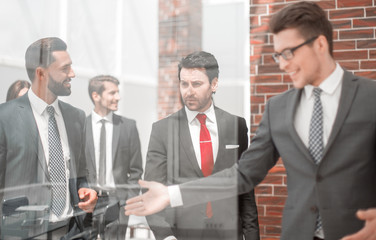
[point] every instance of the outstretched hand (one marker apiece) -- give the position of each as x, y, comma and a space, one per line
369, 230
154, 200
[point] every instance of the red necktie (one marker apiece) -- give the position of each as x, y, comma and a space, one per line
206, 150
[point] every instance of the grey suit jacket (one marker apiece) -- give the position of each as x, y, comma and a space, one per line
126, 154
171, 159
342, 183
23, 165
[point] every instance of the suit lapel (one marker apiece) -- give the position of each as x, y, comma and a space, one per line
221, 124
186, 142
26, 116
292, 104
115, 137
90, 142
349, 88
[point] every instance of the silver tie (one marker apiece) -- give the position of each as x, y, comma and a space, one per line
316, 143
57, 165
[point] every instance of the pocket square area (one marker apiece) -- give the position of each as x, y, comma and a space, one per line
232, 146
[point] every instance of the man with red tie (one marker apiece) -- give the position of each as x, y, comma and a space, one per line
198, 140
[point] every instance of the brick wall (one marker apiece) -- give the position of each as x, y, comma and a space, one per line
354, 23
179, 35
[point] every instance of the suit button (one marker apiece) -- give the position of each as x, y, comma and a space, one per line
318, 178
314, 209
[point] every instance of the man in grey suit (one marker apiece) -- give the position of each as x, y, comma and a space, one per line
113, 151
323, 129
42, 146
176, 155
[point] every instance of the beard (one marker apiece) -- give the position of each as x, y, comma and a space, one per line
58, 88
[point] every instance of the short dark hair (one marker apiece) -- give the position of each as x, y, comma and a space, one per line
15, 88
39, 54
200, 59
307, 17
96, 84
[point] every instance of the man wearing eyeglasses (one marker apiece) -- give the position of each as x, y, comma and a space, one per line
324, 129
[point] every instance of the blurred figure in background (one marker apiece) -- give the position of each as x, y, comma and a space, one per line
17, 89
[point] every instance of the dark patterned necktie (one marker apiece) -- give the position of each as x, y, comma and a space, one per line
57, 165
102, 155
316, 143
206, 149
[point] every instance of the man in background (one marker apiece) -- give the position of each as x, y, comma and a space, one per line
113, 152
42, 147
193, 143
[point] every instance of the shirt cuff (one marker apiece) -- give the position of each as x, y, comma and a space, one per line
175, 196
170, 238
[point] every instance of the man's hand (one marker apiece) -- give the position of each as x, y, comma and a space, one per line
154, 200
89, 199
368, 232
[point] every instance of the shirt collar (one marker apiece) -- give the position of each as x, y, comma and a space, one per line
210, 114
39, 105
329, 85
97, 118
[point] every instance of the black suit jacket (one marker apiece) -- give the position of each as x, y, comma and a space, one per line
126, 154
171, 160
22, 159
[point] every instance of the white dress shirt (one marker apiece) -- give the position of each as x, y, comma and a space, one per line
331, 92
195, 128
109, 125
41, 116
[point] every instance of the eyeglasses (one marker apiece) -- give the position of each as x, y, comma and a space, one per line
288, 53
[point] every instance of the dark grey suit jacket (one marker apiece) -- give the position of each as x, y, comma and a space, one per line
126, 153
171, 160
22, 159
342, 183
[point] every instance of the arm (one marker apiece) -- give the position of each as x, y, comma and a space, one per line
253, 167
369, 229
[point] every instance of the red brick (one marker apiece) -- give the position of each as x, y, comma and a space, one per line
266, 79
356, 34
258, 118
277, 169
351, 55
275, 88
371, 12
261, 210
268, 69
341, 24
330, 4
280, 191
352, 3
366, 44
258, 39
258, 49
275, 8
254, 21
267, 220
263, 190
272, 179
258, 9
343, 45
257, 99
263, 28
268, 59
364, 22
368, 64
273, 230
346, 13
372, 54
367, 74
274, 210
253, 2
254, 108
349, 65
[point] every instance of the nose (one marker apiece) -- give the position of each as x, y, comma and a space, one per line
117, 96
71, 73
282, 63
